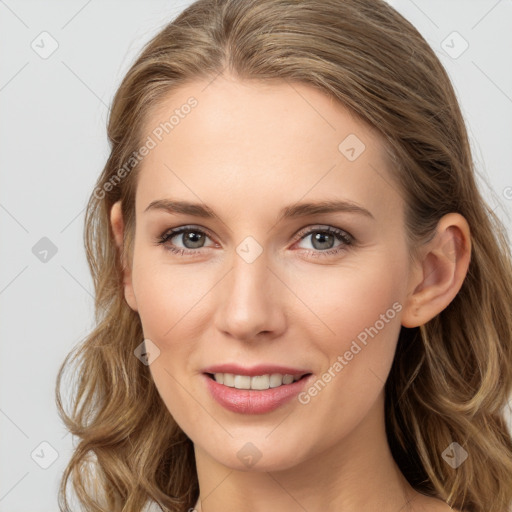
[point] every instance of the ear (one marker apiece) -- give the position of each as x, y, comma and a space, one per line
116, 221
437, 278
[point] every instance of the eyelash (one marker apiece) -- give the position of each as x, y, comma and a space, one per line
347, 239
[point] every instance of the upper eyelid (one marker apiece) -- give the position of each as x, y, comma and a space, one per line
323, 227
180, 229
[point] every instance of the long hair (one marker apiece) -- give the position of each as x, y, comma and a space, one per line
450, 379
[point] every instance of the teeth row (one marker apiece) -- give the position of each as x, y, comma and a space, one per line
259, 382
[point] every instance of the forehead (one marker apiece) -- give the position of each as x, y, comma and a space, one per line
247, 143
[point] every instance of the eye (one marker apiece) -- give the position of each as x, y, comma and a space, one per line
322, 240
192, 238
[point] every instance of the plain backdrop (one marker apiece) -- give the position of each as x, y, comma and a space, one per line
60, 63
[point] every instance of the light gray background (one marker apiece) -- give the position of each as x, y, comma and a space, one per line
53, 146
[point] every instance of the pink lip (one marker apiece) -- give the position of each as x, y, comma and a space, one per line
251, 401
260, 369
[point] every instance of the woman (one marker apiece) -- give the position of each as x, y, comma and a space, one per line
302, 300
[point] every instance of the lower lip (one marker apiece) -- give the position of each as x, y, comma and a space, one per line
251, 401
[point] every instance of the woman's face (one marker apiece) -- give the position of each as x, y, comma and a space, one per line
260, 281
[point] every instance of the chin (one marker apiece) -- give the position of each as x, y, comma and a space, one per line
252, 457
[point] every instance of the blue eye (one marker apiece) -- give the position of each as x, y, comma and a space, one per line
193, 238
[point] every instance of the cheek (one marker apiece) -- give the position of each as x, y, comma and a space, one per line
357, 324
345, 301
168, 303
168, 297
357, 357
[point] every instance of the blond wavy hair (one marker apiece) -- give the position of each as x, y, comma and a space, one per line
451, 378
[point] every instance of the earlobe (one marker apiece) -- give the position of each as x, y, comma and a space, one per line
439, 275
117, 224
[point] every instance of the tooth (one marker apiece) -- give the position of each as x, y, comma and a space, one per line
242, 382
229, 380
287, 379
260, 382
275, 380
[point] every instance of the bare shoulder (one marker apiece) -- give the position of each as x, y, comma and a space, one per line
430, 504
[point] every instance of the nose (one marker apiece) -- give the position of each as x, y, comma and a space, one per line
250, 301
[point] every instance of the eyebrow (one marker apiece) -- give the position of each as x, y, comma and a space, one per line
288, 212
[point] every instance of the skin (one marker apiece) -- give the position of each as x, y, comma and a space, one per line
247, 150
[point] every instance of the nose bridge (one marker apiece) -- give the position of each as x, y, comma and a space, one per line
250, 300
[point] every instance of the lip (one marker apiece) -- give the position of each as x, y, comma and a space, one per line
251, 401
260, 369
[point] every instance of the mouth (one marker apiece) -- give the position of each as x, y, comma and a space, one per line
255, 394
256, 382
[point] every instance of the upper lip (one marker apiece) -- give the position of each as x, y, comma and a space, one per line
260, 369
